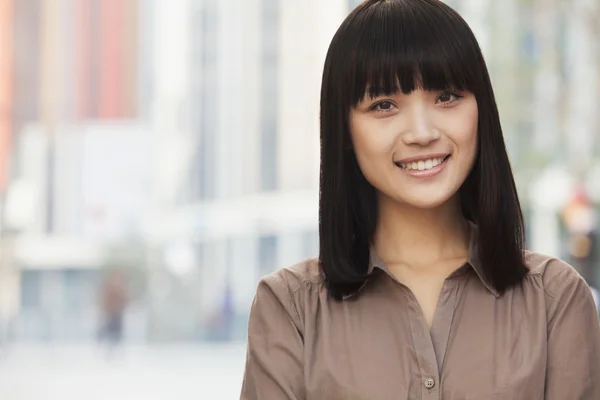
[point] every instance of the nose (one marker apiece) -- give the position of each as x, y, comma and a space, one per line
420, 129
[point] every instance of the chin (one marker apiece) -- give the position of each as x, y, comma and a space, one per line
429, 197
425, 200
426, 204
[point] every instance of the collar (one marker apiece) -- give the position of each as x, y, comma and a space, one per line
375, 262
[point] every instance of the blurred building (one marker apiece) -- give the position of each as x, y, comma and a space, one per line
543, 58
244, 164
74, 63
7, 90
8, 274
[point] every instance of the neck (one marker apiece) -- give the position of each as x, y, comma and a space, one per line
418, 237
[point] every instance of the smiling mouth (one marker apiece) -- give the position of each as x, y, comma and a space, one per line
423, 165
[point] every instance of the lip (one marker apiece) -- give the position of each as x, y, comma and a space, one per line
422, 158
426, 173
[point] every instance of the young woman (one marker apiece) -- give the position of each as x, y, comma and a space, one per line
423, 288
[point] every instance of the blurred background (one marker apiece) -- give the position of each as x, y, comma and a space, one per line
158, 157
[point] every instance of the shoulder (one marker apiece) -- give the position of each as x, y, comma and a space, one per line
289, 289
297, 276
556, 275
292, 280
563, 288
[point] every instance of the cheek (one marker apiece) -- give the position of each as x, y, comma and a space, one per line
373, 153
466, 134
468, 141
473, 141
371, 147
467, 151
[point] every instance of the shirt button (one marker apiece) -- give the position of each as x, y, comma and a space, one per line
429, 383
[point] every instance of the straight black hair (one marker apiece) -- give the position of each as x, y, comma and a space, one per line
382, 47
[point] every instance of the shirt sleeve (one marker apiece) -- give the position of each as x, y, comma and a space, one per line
274, 360
573, 365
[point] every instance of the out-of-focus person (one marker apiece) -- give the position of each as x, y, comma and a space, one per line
581, 222
113, 301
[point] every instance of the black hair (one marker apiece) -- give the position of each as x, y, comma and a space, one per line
382, 47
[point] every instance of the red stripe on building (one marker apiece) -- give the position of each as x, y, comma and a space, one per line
6, 88
83, 58
111, 88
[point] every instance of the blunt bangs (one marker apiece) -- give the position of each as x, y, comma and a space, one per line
408, 45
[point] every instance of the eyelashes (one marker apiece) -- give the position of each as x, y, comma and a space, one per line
379, 106
445, 99
456, 96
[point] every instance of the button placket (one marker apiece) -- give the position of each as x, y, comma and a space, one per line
424, 349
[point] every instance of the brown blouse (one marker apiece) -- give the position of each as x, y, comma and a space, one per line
540, 340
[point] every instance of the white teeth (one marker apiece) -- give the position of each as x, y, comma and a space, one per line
423, 165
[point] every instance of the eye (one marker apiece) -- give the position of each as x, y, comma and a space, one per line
383, 106
447, 98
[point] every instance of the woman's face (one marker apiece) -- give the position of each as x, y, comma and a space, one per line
416, 148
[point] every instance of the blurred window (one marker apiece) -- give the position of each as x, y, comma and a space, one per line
267, 254
270, 68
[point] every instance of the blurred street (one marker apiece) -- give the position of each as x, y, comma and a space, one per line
65, 372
